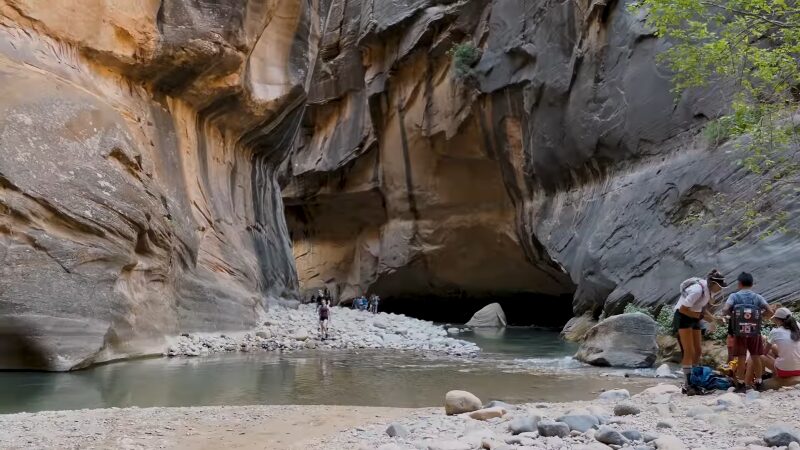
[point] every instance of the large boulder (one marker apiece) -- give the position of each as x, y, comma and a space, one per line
626, 340
491, 315
577, 327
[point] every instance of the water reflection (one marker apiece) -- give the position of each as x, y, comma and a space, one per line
516, 366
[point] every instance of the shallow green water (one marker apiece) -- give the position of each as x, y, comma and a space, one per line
516, 365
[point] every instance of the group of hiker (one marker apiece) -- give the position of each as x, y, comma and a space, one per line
744, 312
362, 304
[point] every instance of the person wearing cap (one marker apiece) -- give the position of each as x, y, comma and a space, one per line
744, 344
783, 358
690, 309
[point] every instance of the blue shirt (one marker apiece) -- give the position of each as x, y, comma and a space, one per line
746, 297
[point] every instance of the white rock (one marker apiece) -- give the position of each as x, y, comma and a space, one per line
660, 389
669, 443
615, 395
664, 371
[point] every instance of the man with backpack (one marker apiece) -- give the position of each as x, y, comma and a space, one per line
745, 309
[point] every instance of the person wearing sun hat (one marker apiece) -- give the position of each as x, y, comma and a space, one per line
783, 358
696, 295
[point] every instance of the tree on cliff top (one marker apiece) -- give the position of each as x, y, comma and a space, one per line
753, 47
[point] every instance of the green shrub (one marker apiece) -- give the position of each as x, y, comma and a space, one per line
630, 308
664, 319
718, 131
465, 55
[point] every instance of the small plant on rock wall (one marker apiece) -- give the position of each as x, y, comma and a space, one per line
465, 55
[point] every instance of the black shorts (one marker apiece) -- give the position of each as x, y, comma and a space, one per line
682, 321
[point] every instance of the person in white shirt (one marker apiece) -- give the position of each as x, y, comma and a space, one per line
696, 295
783, 358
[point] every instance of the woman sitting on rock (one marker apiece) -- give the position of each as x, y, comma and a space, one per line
696, 295
783, 358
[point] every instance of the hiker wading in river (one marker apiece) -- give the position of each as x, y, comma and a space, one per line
696, 295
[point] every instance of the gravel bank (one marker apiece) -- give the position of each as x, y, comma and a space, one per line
229, 427
288, 329
658, 418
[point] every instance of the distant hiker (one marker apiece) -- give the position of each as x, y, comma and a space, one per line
373, 303
362, 303
696, 295
327, 295
324, 311
784, 355
745, 309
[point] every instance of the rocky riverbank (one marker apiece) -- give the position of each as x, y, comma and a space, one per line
290, 329
659, 418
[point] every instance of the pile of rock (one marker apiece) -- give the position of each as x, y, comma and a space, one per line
660, 418
288, 329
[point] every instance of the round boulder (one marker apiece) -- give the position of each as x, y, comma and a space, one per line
625, 340
457, 402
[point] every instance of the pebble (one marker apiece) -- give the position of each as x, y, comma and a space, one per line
669, 443
610, 436
664, 371
551, 428
633, 435
665, 424
504, 405
697, 411
448, 444
487, 413
649, 437
580, 422
780, 435
626, 409
615, 395
524, 424
730, 400
397, 430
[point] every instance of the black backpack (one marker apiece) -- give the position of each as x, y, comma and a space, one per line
746, 321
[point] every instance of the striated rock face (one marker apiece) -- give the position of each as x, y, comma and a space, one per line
565, 164
396, 185
138, 147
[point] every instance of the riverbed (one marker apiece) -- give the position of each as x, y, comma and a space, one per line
516, 365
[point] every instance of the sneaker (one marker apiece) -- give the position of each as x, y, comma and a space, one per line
760, 387
739, 388
690, 390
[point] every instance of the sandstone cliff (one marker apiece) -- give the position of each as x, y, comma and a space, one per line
147, 150
138, 147
563, 164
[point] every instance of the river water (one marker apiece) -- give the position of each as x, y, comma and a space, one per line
516, 365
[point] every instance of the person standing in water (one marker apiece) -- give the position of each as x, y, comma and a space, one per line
696, 295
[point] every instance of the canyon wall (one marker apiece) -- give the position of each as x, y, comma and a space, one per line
138, 147
149, 151
561, 163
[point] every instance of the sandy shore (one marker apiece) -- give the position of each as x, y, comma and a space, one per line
243, 427
718, 421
